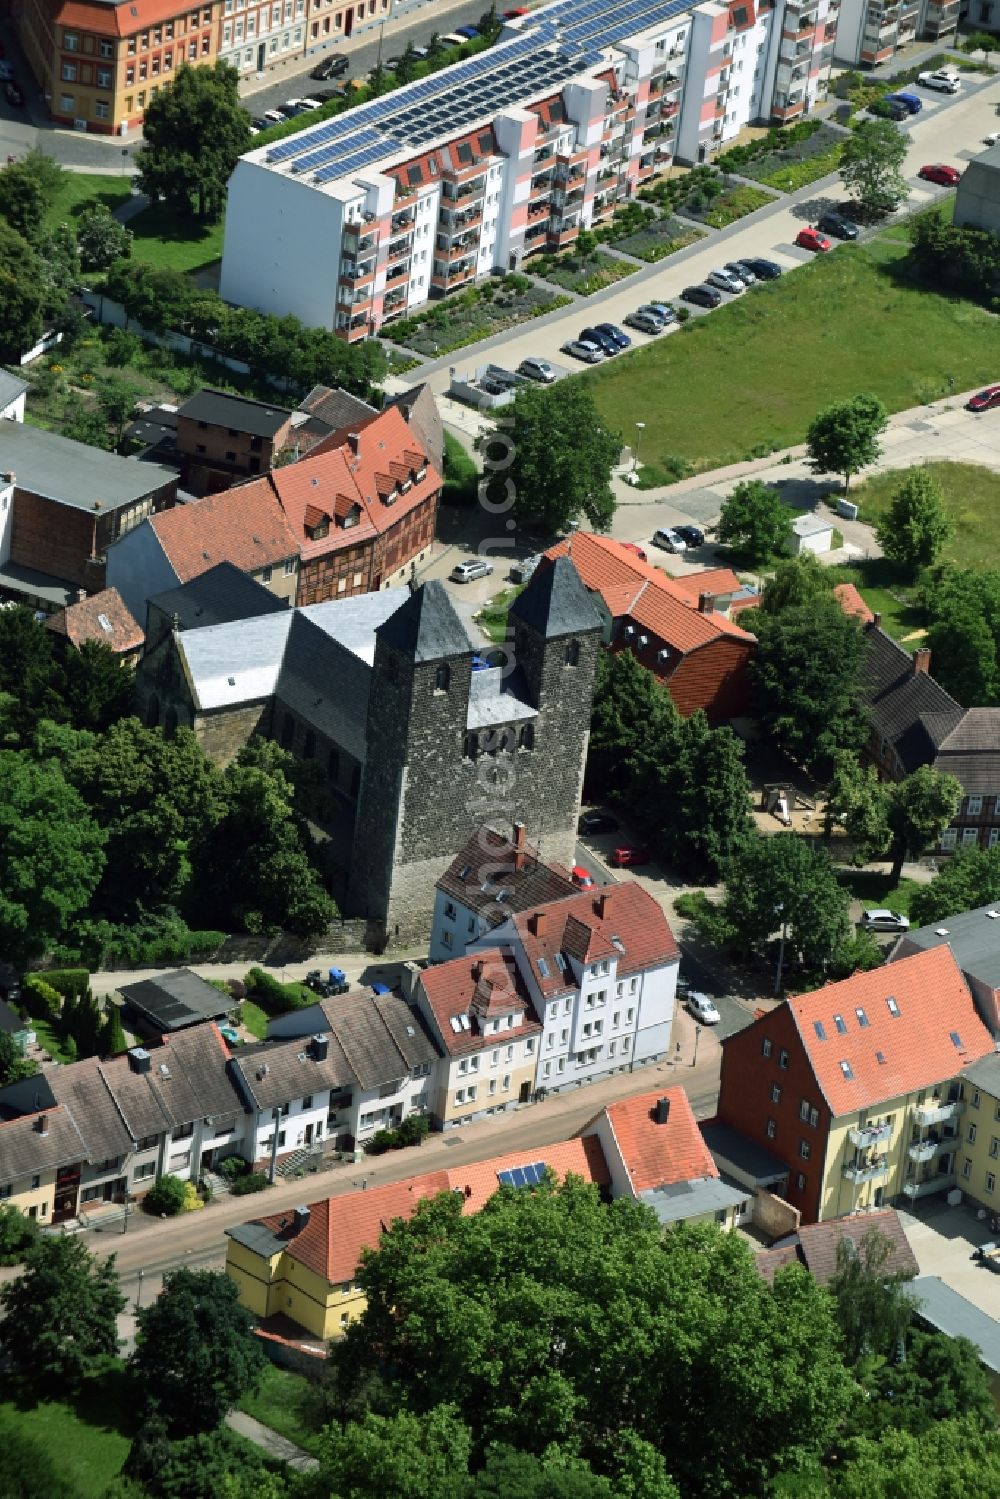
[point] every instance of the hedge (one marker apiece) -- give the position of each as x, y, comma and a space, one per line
275, 998
254, 1181
71, 982
149, 943
42, 1000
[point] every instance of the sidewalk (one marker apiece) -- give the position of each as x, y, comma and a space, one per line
272, 1442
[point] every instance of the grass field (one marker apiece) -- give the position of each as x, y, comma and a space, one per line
971, 497
168, 242
254, 1019
81, 190
279, 1404
838, 326
874, 890
84, 1441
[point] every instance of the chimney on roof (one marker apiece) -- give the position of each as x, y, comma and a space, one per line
354, 442
477, 970
662, 1111
42, 1124
536, 923
706, 603
300, 1219
320, 1047
139, 1059
877, 620
81, 596
520, 838
921, 661
602, 904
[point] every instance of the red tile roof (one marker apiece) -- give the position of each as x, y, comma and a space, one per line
892, 1054
644, 593
852, 603
657, 1155
479, 984
245, 526
122, 19
336, 479
625, 911
339, 1228
714, 580
104, 618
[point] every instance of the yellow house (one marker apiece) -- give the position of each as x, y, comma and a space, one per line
40, 1161
978, 1147
481, 1016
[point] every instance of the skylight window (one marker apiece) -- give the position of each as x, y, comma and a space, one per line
880, 1058
862, 1018
105, 623
956, 1040
893, 1006
818, 1028
838, 1021
847, 1070
543, 968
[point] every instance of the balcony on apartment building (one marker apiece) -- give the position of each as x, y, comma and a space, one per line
394, 304
787, 106
925, 1186
360, 238
867, 1136
355, 329
397, 271
796, 51
402, 223
449, 254
865, 1168
926, 1147
452, 223
937, 1111
449, 273
565, 175
400, 248
940, 18
462, 183
353, 271
561, 233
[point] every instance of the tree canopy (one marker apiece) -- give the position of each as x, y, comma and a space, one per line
969, 879
807, 669
196, 1354
916, 526
59, 1321
844, 438
755, 521
964, 635
100, 239
902, 817
870, 165
551, 461
920, 808
195, 130
22, 293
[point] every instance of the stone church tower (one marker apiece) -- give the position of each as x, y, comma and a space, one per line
453, 743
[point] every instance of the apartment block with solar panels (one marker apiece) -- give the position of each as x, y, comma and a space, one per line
366, 216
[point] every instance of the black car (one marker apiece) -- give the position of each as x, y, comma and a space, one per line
604, 341
837, 225
259, 123
324, 95
764, 270
702, 296
331, 67
691, 535
598, 822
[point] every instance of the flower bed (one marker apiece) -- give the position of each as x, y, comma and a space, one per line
473, 314
583, 274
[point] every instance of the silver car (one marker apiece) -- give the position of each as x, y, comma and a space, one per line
588, 353
703, 1009
466, 572
669, 540
537, 369
726, 281
741, 269
884, 921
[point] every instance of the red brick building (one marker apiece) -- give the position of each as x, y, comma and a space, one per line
222, 438
679, 630
362, 508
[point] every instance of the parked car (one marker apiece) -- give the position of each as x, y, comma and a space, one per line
662, 310
537, 369
837, 225
702, 1008
912, 103
938, 172
452, 39
466, 572
702, 296
13, 94
811, 239
582, 877
644, 322
324, 95
992, 138
726, 281
630, 546
10, 981
889, 109
884, 921
467, 33
630, 854
310, 103
259, 122
391, 64
521, 571
764, 270
603, 341
588, 353
693, 535
612, 331
945, 81
669, 540
741, 270
512, 15
598, 822
985, 400
331, 67
274, 117
290, 109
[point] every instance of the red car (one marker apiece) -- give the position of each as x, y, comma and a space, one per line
629, 854
630, 546
944, 176
582, 877
985, 400
811, 239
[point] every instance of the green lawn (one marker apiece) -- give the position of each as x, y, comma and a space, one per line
49, 1037
280, 1403
81, 190
169, 242
754, 373
972, 499
83, 1440
874, 890
492, 618
254, 1019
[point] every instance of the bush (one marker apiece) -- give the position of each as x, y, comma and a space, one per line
383, 1140
41, 998
275, 998
166, 1197
254, 1181
155, 939
232, 1167
17, 1234
193, 1199
71, 982
414, 1129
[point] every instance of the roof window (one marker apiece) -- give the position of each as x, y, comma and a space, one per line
847, 1070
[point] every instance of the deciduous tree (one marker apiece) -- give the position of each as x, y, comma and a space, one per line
874, 1308
860, 801
785, 883
916, 525
101, 239
844, 438
117, 398
60, 1316
14, 1065
796, 580
195, 131
920, 808
964, 635
970, 878
870, 163
22, 293
755, 521
552, 463
196, 1353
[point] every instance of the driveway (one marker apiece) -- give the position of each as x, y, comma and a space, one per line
943, 1239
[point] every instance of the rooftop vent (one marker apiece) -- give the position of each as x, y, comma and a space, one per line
139, 1059
300, 1219
662, 1111
940, 931
319, 1047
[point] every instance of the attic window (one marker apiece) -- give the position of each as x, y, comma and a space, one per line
847, 1070
413, 176
956, 1040
485, 143
465, 153
880, 1058
465, 871
463, 1021
838, 1021
818, 1028
560, 958
862, 1018
893, 1006
317, 532
105, 623
543, 968
351, 518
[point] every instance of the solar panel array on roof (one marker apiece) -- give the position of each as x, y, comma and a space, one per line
523, 1176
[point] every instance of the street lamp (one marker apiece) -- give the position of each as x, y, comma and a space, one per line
640, 428
781, 947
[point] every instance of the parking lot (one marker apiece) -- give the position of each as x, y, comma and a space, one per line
944, 1239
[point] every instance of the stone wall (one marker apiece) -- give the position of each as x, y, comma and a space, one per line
223, 734
774, 1216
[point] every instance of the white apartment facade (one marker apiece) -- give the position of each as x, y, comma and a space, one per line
870, 32
366, 216
255, 36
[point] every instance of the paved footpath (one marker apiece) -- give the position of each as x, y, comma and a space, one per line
272, 1442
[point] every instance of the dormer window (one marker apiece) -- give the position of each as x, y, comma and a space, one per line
351, 518
319, 530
